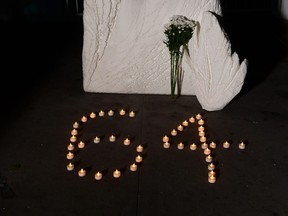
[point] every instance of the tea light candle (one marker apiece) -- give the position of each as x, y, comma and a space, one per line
193, 146
81, 144
211, 173
133, 167
84, 119
70, 155
76, 125
201, 133
131, 114
70, 167
208, 158
212, 145
211, 166
242, 145
96, 139
173, 132
98, 176
185, 123
122, 112
198, 116
203, 139
212, 179
166, 145
226, 144
201, 122
207, 151
165, 139
139, 148
110, 113
82, 172
116, 173
74, 132
101, 113
180, 146
201, 128
126, 141
112, 138
180, 127
70, 147
139, 158
73, 138
92, 115
204, 145
192, 119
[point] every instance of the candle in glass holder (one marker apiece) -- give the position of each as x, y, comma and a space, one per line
110, 113
192, 119
208, 158
126, 141
74, 132
76, 125
82, 172
201, 128
242, 145
166, 145
180, 128
185, 123
173, 132
138, 159
212, 145
70, 156
101, 113
180, 146
203, 139
92, 115
96, 139
131, 114
226, 144
201, 122
139, 148
70, 167
165, 139
116, 173
211, 166
198, 116
204, 145
122, 112
112, 138
212, 179
70, 147
193, 146
207, 151
81, 144
98, 176
73, 138
133, 167
201, 133
84, 119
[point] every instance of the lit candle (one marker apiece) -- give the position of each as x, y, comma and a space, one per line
116, 173
81, 144
208, 158
70, 166
180, 146
211, 166
70, 155
133, 167
74, 132
193, 146
138, 159
132, 114
211, 173
101, 113
96, 139
180, 127
198, 116
76, 125
98, 176
212, 179
139, 148
192, 119
204, 145
201, 128
70, 147
84, 119
122, 112
226, 144
126, 141
165, 139
92, 115
82, 172
242, 145
203, 139
212, 145
185, 123
201, 122
201, 133
173, 132
207, 151
112, 138
110, 113
73, 138
166, 145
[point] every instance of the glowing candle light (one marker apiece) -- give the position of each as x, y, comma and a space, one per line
226, 144
180, 128
180, 146
116, 173
112, 138
207, 151
76, 125
242, 145
133, 167
201, 128
192, 119
185, 123
139, 148
70, 167
96, 139
201, 133
211, 166
70, 156
92, 115
203, 139
74, 132
126, 141
208, 158
212, 179
212, 145
81, 144
122, 112
210, 173
110, 113
201, 122
165, 139
131, 114
198, 116
138, 159
204, 145
98, 176
166, 145
82, 172
73, 138
84, 119
70, 147
173, 132
101, 113
193, 146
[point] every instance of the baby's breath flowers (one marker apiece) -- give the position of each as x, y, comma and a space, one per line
178, 32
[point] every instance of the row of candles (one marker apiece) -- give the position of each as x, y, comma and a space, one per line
207, 149
73, 139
